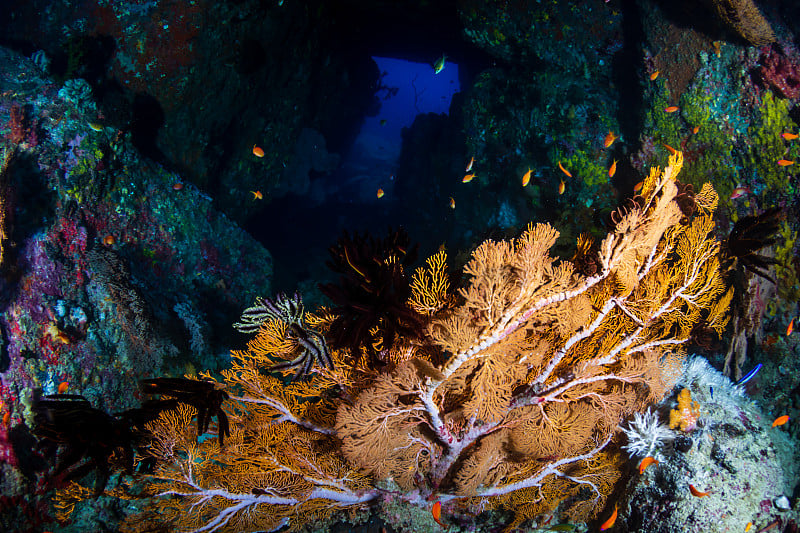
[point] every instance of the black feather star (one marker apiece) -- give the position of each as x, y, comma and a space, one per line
205, 396
748, 236
89, 437
370, 301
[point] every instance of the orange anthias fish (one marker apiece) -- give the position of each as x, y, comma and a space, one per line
785, 162
671, 109
469, 165
609, 140
647, 461
638, 186
747, 527
561, 187
672, 150
258, 151
526, 178
697, 493
62, 387
613, 169
653, 76
611, 519
739, 192
6, 418
452, 203
695, 130
379, 193
789, 136
781, 420
790, 329
564, 170
257, 195
436, 511
467, 178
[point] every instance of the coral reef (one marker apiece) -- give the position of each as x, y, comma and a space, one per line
780, 69
539, 366
743, 465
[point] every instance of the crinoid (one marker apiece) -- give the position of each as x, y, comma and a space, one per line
586, 259
686, 201
749, 235
310, 347
636, 202
205, 396
370, 299
89, 436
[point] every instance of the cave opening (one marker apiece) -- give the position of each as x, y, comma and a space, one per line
405, 47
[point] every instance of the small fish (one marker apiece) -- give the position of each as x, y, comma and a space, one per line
790, 329
438, 66
695, 130
561, 187
785, 162
526, 178
258, 151
609, 140
717, 47
654, 75
257, 195
380, 193
177, 186
95, 126
62, 387
562, 527
452, 203
564, 170
469, 165
781, 420
383, 122
747, 377
611, 519
747, 527
109, 240
612, 169
436, 511
739, 192
6, 418
467, 178
647, 461
671, 150
697, 493
638, 186
789, 136
671, 109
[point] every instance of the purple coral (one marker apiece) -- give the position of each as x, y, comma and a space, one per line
780, 69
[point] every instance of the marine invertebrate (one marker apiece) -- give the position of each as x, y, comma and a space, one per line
290, 338
206, 397
744, 18
646, 434
780, 70
748, 236
686, 414
370, 300
86, 433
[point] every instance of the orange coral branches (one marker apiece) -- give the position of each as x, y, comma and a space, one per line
511, 397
